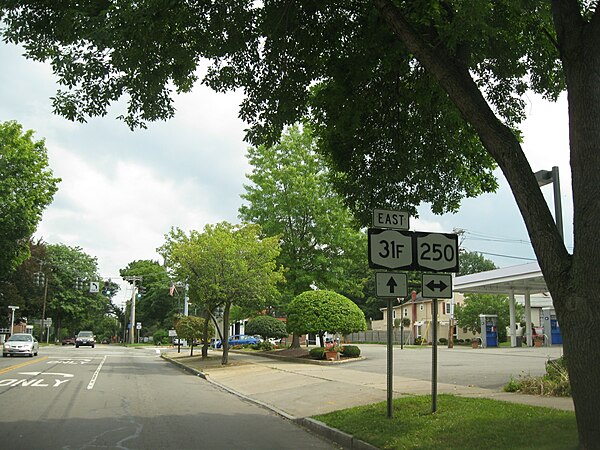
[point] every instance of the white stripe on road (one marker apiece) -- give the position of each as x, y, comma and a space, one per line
96, 373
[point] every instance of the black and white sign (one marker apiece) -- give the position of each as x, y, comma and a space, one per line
397, 220
409, 250
390, 249
437, 285
437, 252
391, 284
94, 287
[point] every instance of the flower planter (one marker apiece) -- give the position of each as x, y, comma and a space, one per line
475, 343
538, 342
332, 356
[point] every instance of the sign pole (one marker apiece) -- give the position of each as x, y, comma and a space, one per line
390, 367
434, 314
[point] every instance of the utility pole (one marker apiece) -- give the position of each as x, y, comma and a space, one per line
132, 280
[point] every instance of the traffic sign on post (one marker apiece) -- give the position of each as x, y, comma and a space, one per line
383, 218
437, 285
390, 249
94, 287
390, 284
437, 252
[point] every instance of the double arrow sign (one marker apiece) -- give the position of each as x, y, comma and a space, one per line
435, 285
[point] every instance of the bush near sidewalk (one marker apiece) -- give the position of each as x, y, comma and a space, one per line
555, 383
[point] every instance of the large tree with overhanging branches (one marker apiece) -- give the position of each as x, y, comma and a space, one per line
412, 101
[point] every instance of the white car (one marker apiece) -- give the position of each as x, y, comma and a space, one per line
21, 344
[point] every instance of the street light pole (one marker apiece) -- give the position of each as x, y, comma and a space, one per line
12, 320
545, 177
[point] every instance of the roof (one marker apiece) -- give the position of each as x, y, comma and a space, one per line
521, 279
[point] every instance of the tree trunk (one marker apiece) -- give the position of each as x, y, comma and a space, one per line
225, 340
205, 338
573, 281
295, 340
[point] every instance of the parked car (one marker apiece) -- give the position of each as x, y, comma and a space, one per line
21, 344
68, 341
85, 338
240, 339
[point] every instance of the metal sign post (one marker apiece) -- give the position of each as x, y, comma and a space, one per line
434, 355
390, 358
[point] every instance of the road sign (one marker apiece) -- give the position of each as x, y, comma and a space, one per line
437, 285
383, 218
138, 326
390, 249
436, 252
391, 284
94, 287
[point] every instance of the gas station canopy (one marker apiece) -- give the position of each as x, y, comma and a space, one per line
522, 279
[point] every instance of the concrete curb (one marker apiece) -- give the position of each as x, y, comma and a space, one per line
300, 360
347, 441
339, 437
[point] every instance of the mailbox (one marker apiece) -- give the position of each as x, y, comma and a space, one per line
551, 327
489, 330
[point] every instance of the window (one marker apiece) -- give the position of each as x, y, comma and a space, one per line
448, 308
421, 307
405, 312
394, 314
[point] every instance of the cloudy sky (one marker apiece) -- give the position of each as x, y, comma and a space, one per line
121, 191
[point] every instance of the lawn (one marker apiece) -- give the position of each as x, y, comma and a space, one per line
459, 423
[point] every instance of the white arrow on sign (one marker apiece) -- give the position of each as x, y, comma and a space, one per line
437, 285
390, 249
437, 252
391, 284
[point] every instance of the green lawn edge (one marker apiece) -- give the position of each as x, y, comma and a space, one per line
459, 423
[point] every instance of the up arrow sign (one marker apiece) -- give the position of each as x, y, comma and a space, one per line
390, 284
437, 285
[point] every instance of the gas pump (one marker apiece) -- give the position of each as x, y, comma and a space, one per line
489, 330
551, 327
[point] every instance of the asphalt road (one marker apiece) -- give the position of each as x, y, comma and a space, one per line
489, 368
124, 398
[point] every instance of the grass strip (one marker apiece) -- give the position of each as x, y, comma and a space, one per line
459, 423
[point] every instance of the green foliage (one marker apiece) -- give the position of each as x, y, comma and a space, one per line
443, 341
554, 383
467, 315
156, 308
324, 311
226, 265
192, 328
263, 346
351, 351
27, 187
291, 197
266, 327
317, 353
473, 262
160, 337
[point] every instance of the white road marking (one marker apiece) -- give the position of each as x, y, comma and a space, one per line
96, 373
66, 375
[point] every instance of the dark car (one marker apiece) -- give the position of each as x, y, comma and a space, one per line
68, 341
85, 338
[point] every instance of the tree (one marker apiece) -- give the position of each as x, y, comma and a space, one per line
192, 328
226, 265
27, 187
291, 196
267, 327
467, 315
70, 304
324, 311
154, 307
473, 262
411, 101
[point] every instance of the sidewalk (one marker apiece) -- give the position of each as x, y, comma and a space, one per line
298, 390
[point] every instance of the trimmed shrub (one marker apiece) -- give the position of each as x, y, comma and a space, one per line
443, 340
351, 351
317, 353
160, 337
